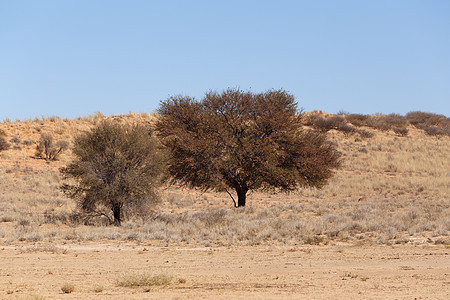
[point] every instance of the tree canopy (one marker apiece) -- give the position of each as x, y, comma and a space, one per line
242, 141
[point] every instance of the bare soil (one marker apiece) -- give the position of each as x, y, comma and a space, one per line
262, 272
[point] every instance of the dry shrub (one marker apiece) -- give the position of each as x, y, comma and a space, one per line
358, 119
401, 131
48, 149
98, 289
393, 120
15, 140
138, 280
325, 124
347, 129
27, 142
4, 145
436, 131
423, 119
365, 133
67, 288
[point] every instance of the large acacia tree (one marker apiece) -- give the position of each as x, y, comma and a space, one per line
243, 141
115, 165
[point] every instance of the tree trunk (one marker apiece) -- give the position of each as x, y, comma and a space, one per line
242, 195
116, 212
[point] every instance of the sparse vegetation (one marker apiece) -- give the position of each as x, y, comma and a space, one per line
390, 190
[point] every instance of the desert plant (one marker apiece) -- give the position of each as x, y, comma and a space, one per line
27, 142
67, 288
365, 133
15, 140
98, 289
115, 165
357, 119
137, 280
423, 119
394, 120
48, 149
325, 124
401, 131
347, 129
243, 141
4, 145
436, 131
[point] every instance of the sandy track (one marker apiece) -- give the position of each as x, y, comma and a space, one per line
262, 272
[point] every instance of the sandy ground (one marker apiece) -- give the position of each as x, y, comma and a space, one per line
261, 272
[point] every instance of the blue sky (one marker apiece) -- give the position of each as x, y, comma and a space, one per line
74, 58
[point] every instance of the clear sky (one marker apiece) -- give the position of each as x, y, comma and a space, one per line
72, 58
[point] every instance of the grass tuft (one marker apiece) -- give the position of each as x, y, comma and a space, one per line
138, 280
68, 288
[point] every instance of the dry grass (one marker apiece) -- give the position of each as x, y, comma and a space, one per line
390, 189
67, 288
144, 280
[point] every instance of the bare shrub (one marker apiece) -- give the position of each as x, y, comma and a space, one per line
48, 149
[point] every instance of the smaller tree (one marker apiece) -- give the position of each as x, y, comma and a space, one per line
115, 165
49, 150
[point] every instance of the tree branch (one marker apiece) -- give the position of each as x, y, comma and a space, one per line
234, 201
